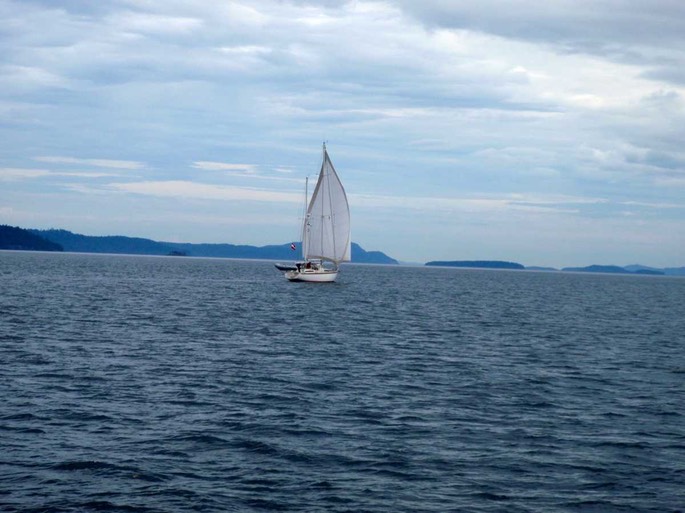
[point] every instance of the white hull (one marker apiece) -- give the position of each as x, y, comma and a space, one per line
315, 276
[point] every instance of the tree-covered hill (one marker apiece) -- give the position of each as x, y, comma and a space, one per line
13, 237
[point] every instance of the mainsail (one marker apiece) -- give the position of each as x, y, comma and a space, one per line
326, 230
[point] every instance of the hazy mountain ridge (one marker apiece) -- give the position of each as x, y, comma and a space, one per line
15, 238
119, 244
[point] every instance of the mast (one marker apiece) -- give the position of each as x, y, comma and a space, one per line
330, 201
326, 185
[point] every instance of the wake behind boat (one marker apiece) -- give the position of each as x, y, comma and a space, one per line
326, 237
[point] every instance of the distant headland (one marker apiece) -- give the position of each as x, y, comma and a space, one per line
63, 240
13, 237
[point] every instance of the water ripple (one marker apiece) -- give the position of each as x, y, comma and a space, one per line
161, 384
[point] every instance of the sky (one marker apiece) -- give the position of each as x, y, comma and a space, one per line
546, 133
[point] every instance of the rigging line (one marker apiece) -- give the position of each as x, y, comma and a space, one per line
305, 220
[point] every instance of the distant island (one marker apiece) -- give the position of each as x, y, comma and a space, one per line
611, 269
481, 264
15, 238
119, 244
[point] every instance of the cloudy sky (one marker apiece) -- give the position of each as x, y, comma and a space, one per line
547, 133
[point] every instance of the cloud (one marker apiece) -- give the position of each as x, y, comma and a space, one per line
619, 30
656, 205
194, 190
82, 174
224, 166
25, 78
110, 164
154, 24
250, 171
678, 183
486, 203
9, 174
16, 174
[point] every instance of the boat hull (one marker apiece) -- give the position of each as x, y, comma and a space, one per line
323, 276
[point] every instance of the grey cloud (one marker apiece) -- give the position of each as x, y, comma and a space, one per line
619, 30
81, 7
675, 73
567, 22
664, 161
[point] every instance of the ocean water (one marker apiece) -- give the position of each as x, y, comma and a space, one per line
179, 384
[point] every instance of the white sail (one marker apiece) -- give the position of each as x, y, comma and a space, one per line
326, 231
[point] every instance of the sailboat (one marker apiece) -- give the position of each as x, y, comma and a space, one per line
326, 238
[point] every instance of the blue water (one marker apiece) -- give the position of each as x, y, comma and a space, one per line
179, 384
